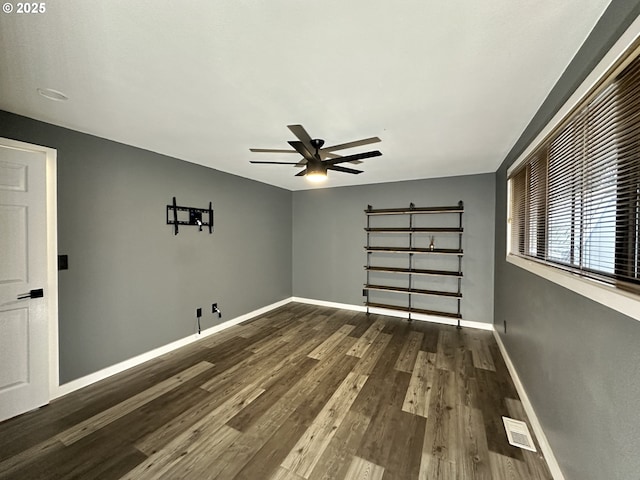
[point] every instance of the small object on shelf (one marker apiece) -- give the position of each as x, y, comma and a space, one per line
416, 276
195, 216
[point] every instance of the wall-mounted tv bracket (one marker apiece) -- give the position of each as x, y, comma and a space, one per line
195, 216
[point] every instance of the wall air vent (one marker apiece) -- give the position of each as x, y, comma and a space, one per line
518, 434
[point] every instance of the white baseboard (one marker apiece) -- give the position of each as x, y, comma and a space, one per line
396, 313
137, 360
554, 467
87, 380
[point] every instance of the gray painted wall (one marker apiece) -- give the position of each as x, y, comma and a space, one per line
329, 236
579, 361
132, 285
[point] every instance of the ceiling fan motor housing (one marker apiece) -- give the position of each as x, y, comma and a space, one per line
317, 143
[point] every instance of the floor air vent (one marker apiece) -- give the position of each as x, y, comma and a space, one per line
518, 434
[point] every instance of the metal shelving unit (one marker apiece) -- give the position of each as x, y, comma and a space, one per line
406, 263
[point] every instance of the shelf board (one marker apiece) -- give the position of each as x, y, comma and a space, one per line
415, 229
417, 271
417, 291
413, 310
407, 211
441, 251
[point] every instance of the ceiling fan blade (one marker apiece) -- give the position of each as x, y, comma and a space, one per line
356, 156
343, 169
302, 173
274, 163
300, 133
325, 155
356, 143
302, 149
271, 150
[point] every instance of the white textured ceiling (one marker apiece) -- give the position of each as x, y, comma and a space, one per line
448, 85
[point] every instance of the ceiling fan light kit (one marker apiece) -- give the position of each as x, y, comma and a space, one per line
316, 173
317, 160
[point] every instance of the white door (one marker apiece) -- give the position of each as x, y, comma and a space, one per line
24, 329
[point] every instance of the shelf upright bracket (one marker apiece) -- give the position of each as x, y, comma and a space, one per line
461, 205
369, 208
411, 243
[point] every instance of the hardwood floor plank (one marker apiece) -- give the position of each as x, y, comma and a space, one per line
249, 330
407, 358
221, 337
362, 322
335, 460
298, 329
440, 432
251, 368
115, 467
502, 376
466, 385
103, 453
277, 319
448, 342
267, 442
10, 465
188, 445
267, 344
360, 469
435, 468
367, 338
385, 383
385, 411
406, 441
480, 352
164, 410
507, 467
491, 402
222, 406
96, 422
367, 364
284, 474
307, 451
285, 381
472, 452
159, 438
417, 398
330, 344
431, 334
193, 461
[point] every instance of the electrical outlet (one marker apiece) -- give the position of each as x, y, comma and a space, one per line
505, 327
214, 308
198, 312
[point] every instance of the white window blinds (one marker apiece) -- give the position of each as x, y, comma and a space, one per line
575, 202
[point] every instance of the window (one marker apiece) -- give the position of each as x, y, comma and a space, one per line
575, 201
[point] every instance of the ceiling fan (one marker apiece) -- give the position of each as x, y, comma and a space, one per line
316, 159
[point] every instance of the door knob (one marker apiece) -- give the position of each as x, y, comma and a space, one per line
37, 293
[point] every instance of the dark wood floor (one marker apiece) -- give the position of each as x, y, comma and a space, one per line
302, 392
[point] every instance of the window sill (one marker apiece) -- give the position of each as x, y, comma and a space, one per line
607, 295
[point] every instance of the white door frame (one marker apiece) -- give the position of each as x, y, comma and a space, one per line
52, 254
